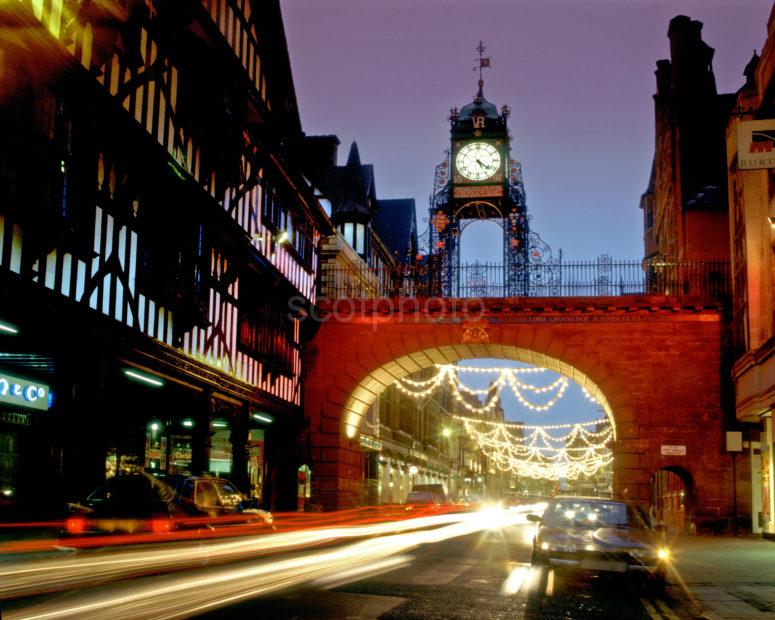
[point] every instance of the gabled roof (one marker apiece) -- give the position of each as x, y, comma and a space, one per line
350, 187
396, 225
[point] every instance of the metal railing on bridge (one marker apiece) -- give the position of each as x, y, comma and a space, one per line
594, 278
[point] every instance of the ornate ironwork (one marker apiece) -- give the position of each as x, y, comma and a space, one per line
529, 267
548, 277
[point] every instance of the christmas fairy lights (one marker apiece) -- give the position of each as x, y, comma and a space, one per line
535, 452
506, 377
552, 451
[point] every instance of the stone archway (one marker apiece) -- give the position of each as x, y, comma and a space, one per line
651, 360
672, 498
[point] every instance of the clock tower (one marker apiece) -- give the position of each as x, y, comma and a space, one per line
479, 180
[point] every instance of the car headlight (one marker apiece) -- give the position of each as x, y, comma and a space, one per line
663, 553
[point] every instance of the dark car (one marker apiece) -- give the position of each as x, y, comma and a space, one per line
162, 503
599, 535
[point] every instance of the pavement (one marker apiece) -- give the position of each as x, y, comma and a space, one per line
725, 577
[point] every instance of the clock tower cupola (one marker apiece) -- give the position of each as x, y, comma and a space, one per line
478, 180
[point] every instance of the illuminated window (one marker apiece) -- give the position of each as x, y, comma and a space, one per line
360, 235
348, 233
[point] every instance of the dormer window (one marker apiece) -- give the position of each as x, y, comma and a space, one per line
355, 236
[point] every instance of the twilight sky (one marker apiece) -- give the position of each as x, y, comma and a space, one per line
578, 76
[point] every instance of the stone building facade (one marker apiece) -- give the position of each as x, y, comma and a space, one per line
752, 236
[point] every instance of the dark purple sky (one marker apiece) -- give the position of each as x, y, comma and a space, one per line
577, 74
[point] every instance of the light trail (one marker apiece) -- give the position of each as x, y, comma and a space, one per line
26, 578
197, 591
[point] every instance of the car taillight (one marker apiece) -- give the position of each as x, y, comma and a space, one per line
75, 525
161, 525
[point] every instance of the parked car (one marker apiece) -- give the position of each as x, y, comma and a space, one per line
599, 535
439, 491
162, 503
424, 501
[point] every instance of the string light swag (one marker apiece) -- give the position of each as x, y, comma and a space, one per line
534, 452
507, 377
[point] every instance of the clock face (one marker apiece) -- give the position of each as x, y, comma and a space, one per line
478, 161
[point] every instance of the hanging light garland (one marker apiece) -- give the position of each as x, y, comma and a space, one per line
534, 452
506, 377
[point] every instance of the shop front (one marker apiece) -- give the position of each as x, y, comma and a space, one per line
150, 418
25, 454
764, 480
400, 468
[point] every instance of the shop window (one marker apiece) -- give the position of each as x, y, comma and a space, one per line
180, 454
155, 447
220, 452
121, 463
256, 462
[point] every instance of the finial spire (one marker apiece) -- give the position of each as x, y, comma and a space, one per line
484, 62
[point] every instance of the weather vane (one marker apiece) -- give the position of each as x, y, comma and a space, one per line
483, 62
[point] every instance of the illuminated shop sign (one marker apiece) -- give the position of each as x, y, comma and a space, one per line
370, 443
756, 144
23, 392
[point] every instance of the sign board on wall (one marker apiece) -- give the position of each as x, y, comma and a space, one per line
673, 450
756, 144
734, 441
23, 392
370, 443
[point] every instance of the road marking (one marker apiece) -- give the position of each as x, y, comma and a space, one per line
650, 609
666, 610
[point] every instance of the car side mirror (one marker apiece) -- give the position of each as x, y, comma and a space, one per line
533, 518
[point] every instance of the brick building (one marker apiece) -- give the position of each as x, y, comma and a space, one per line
685, 204
751, 167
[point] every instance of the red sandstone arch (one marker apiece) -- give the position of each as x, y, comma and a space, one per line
652, 361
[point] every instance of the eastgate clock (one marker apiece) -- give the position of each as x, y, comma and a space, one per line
478, 161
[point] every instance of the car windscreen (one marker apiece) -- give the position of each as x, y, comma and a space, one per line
593, 514
419, 498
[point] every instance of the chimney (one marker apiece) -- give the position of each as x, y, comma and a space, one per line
664, 75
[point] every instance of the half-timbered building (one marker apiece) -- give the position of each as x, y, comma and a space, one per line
155, 247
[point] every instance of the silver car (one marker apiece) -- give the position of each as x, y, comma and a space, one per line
599, 535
